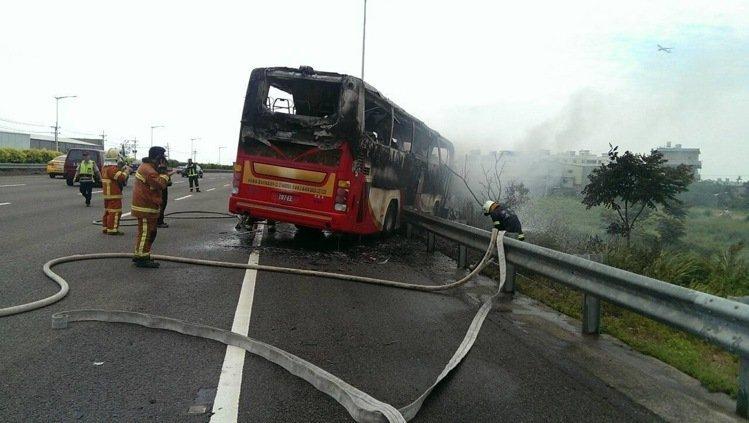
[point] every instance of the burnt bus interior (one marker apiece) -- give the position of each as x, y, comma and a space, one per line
303, 115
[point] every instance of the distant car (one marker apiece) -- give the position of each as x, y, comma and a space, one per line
56, 166
183, 171
75, 155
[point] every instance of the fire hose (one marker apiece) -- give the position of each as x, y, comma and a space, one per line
361, 406
172, 215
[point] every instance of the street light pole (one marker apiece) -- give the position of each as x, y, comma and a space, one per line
219, 154
152, 127
57, 117
363, 39
192, 148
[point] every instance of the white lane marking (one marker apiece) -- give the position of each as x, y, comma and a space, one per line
210, 189
226, 185
4, 204
125, 214
179, 182
97, 192
12, 185
226, 403
182, 198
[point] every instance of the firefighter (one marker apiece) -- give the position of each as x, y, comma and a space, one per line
113, 178
192, 174
503, 218
147, 192
86, 173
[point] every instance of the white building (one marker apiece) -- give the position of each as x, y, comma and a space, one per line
679, 155
46, 142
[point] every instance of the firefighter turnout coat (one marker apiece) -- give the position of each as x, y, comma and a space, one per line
147, 191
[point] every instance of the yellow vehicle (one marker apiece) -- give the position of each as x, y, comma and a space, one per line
56, 166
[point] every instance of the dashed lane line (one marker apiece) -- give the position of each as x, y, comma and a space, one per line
125, 214
210, 189
226, 185
226, 403
5, 204
12, 185
182, 198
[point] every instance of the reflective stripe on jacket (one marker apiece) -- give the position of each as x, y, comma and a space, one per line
112, 179
86, 170
147, 190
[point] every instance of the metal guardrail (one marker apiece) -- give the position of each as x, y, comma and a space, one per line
218, 170
4, 166
715, 319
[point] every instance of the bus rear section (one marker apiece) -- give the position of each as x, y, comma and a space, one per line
294, 159
323, 195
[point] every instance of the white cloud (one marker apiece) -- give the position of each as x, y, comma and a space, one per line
186, 64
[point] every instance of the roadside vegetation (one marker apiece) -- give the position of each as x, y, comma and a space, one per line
17, 155
694, 236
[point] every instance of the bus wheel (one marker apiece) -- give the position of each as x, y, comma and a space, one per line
391, 218
69, 180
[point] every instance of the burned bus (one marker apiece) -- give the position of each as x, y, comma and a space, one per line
327, 151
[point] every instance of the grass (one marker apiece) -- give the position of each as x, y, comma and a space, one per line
707, 230
716, 369
563, 223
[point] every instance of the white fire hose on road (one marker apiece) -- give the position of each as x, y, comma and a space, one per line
361, 406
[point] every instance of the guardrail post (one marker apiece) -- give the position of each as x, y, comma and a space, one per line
509, 286
742, 398
430, 242
409, 230
462, 256
591, 315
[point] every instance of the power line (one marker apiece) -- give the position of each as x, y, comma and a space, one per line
18, 122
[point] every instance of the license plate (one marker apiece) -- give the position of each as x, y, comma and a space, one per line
285, 198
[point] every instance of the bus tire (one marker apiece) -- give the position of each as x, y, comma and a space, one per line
391, 220
69, 181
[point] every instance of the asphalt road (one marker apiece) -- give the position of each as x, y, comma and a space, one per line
389, 343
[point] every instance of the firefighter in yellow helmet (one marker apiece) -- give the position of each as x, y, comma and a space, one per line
503, 218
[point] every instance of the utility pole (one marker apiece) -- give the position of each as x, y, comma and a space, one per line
103, 139
192, 148
152, 128
219, 154
363, 39
135, 147
57, 117
168, 155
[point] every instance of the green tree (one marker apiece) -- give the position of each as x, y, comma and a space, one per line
629, 183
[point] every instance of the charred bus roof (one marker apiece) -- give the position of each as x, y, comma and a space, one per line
308, 73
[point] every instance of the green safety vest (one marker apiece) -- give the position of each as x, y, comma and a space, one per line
86, 168
192, 170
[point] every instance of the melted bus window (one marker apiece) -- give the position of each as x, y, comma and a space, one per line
377, 118
303, 97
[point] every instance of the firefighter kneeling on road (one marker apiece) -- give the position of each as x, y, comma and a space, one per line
147, 190
503, 218
113, 178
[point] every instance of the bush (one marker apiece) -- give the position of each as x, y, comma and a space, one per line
15, 155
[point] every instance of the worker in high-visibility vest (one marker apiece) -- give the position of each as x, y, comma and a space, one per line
85, 174
113, 178
147, 190
192, 174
